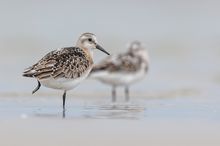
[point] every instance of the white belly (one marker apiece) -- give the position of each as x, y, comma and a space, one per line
63, 83
119, 79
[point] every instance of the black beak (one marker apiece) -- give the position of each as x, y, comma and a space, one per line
101, 49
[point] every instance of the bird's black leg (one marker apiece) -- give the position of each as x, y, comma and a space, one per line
37, 88
64, 101
113, 94
127, 97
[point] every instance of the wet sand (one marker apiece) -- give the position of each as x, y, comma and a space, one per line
98, 132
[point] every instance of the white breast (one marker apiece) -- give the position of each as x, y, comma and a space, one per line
119, 78
64, 83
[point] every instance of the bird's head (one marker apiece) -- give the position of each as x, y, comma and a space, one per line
136, 48
89, 41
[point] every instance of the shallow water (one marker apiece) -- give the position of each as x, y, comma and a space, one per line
178, 117
183, 104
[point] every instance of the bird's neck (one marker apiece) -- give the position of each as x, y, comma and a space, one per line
89, 54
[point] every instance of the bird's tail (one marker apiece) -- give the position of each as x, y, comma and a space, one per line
29, 72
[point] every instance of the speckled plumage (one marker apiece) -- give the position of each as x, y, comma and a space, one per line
124, 63
69, 63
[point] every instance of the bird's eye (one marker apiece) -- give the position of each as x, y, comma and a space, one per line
89, 39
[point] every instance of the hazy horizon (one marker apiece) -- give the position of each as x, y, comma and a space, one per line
38, 25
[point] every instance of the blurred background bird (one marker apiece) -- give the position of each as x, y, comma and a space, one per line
123, 69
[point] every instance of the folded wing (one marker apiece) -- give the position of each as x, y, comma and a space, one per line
63, 63
120, 63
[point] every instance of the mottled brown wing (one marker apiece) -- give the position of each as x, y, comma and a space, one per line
106, 64
120, 63
64, 63
129, 63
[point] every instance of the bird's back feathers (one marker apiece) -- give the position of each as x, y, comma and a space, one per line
68, 62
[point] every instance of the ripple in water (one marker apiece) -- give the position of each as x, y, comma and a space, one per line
99, 111
114, 111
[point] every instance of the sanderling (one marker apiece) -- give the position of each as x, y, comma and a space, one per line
123, 69
65, 68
